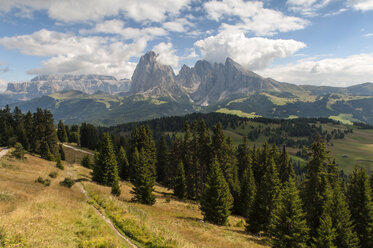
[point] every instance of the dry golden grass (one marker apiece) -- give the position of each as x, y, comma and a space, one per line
34, 215
174, 223
74, 156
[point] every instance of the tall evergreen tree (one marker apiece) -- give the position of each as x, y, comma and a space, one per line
144, 178
244, 157
216, 200
284, 165
361, 206
180, 186
247, 192
203, 154
61, 132
288, 225
62, 152
265, 199
314, 185
123, 165
107, 162
162, 161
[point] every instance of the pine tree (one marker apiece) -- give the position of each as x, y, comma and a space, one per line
180, 187
325, 233
86, 162
203, 155
144, 178
115, 189
61, 132
342, 222
123, 165
45, 152
361, 206
284, 165
247, 192
62, 152
244, 157
188, 162
162, 161
97, 168
216, 200
265, 199
107, 162
288, 225
314, 185
18, 152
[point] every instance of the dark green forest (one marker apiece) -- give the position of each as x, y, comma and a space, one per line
315, 207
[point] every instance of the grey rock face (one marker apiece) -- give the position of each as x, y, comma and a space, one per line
154, 79
49, 84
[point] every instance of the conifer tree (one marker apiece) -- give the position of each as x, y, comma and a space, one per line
86, 162
62, 152
314, 185
203, 154
188, 161
265, 199
216, 200
144, 178
180, 187
107, 162
123, 165
45, 152
162, 161
247, 192
284, 165
115, 189
361, 206
97, 169
288, 225
325, 233
244, 157
61, 132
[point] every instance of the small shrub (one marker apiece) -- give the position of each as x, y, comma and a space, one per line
86, 162
53, 174
59, 165
45, 182
67, 182
168, 199
18, 152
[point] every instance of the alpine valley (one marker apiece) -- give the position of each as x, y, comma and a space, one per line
156, 91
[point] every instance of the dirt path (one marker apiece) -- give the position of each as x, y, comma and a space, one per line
78, 150
3, 152
107, 220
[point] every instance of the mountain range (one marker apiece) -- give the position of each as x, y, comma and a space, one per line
155, 90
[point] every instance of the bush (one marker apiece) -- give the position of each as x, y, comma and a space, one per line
53, 174
86, 162
59, 165
67, 182
45, 182
19, 152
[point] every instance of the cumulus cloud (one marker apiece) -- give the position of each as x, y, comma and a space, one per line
252, 17
178, 25
329, 71
252, 53
362, 5
88, 10
127, 33
75, 54
167, 54
307, 7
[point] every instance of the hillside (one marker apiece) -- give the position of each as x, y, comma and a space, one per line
56, 216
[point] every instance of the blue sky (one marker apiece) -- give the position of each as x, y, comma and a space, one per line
319, 42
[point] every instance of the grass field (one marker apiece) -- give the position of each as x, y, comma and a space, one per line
34, 215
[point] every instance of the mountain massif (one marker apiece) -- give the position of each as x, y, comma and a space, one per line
155, 91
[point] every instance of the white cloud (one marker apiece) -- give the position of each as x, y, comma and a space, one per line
252, 53
346, 71
178, 25
253, 17
368, 35
307, 7
117, 27
3, 85
87, 10
167, 54
363, 5
75, 54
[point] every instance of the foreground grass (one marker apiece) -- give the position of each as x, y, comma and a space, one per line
166, 224
34, 215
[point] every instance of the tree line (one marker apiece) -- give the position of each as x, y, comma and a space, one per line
318, 209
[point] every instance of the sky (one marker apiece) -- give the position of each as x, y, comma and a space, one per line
318, 42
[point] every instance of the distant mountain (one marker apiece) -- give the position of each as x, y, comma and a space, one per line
49, 84
156, 91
